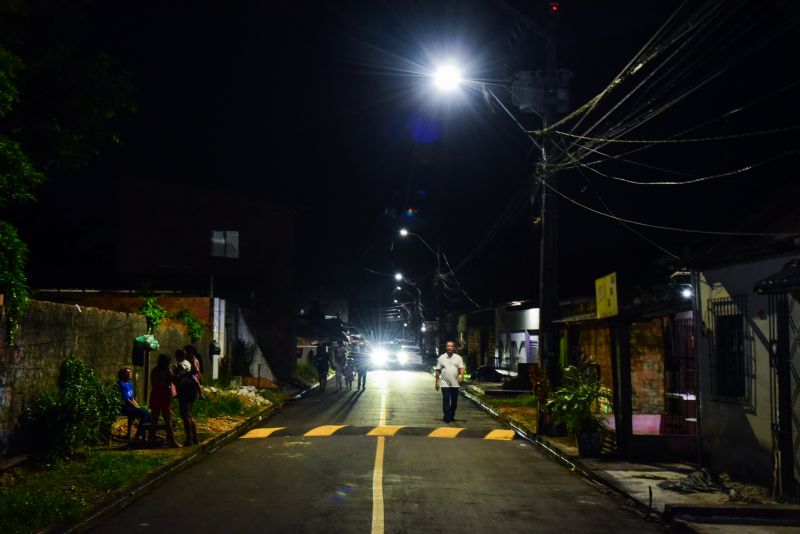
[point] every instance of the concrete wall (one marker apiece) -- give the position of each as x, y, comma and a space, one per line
49, 333
737, 438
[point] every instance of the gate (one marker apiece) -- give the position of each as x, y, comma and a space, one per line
680, 400
784, 352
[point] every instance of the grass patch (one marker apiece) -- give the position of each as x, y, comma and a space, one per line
521, 400
306, 370
40, 496
222, 405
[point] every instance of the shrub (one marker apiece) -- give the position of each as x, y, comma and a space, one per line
219, 405
306, 370
78, 412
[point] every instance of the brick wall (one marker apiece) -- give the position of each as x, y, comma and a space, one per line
595, 343
647, 367
49, 333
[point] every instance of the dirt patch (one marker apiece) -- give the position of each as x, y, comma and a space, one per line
219, 425
747, 493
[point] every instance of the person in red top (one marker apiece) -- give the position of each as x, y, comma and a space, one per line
162, 379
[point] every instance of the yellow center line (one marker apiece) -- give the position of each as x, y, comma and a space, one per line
385, 430
261, 432
377, 488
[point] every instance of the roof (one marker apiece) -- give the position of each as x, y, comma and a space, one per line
787, 279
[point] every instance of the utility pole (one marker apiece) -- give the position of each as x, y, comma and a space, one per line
437, 283
548, 256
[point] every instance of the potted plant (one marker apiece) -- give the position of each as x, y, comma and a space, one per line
576, 405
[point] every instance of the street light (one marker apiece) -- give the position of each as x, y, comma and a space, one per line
398, 276
447, 78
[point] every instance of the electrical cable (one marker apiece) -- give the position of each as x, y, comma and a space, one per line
661, 227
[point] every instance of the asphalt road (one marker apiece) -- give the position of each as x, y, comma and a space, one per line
278, 479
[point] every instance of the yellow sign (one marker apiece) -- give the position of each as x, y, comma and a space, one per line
606, 292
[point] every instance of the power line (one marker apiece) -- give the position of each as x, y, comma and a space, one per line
661, 227
678, 141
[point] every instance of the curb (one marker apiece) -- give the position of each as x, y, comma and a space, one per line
574, 464
121, 499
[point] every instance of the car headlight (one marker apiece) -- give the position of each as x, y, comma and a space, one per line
379, 356
402, 357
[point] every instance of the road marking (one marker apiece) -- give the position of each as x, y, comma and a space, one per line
445, 432
325, 430
501, 435
385, 430
377, 488
261, 432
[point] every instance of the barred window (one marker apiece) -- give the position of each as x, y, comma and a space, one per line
731, 368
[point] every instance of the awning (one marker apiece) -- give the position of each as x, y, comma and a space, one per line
785, 280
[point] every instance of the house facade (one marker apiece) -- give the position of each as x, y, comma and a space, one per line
749, 358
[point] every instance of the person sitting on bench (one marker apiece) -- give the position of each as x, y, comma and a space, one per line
128, 405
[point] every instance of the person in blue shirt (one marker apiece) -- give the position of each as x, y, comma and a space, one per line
128, 405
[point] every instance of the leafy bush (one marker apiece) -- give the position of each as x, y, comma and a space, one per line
577, 402
13, 283
78, 412
306, 370
153, 313
194, 326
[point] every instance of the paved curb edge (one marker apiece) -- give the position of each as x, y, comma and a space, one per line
121, 499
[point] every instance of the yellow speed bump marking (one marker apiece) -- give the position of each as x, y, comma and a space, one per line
261, 432
501, 435
385, 430
445, 432
325, 430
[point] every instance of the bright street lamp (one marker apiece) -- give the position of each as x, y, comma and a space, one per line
447, 78
398, 276
403, 232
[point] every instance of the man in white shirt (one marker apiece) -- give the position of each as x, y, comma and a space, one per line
449, 375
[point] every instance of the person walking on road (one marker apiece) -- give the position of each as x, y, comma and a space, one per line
323, 362
362, 367
449, 375
338, 365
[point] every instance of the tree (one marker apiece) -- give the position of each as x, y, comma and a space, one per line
59, 98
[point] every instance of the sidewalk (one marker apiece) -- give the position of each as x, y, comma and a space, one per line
712, 512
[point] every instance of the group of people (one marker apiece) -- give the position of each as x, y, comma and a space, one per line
347, 367
181, 379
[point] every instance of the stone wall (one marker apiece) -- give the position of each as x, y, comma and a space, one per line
49, 333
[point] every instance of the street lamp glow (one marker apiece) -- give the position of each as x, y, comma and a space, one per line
398, 276
398, 288
395, 301
447, 78
403, 232
423, 329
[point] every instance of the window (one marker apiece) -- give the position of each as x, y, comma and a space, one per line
731, 368
225, 243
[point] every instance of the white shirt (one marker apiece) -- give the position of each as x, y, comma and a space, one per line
448, 367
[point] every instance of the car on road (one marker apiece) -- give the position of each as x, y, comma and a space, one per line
407, 356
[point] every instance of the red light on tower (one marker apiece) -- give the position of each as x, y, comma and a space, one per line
554, 7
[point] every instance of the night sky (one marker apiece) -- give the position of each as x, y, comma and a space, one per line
327, 107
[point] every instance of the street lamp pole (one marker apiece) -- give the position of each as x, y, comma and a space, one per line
548, 257
437, 284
